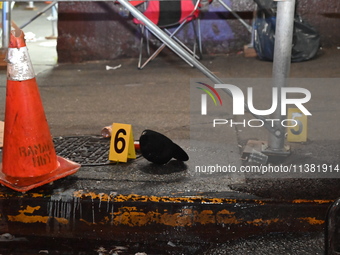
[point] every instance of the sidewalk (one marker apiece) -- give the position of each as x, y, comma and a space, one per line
139, 201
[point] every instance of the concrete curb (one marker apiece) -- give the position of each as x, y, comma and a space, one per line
195, 218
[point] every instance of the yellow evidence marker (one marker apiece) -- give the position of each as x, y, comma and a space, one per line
299, 132
122, 143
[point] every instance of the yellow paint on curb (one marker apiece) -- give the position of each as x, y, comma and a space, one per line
186, 216
313, 220
316, 201
25, 218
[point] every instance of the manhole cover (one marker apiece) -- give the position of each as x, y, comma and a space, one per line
85, 150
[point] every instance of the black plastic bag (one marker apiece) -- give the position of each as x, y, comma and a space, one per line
306, 40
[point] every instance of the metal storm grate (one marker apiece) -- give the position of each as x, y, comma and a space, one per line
85, 150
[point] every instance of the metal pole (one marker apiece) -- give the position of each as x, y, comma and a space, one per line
30, 6
175, 47
54, 20
6, 23
281, 63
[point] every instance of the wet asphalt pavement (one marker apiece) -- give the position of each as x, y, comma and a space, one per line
275, 243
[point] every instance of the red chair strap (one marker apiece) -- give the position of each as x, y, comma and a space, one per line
172, 12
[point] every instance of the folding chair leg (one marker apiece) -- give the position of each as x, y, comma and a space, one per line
197, 41
178, 41
145, 32
192, 52
155, 54
151, 57
147, 36
199, 37
142, 29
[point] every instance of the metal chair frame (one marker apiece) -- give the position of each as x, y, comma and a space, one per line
197, 35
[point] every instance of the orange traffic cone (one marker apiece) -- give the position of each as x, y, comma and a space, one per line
29, 159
